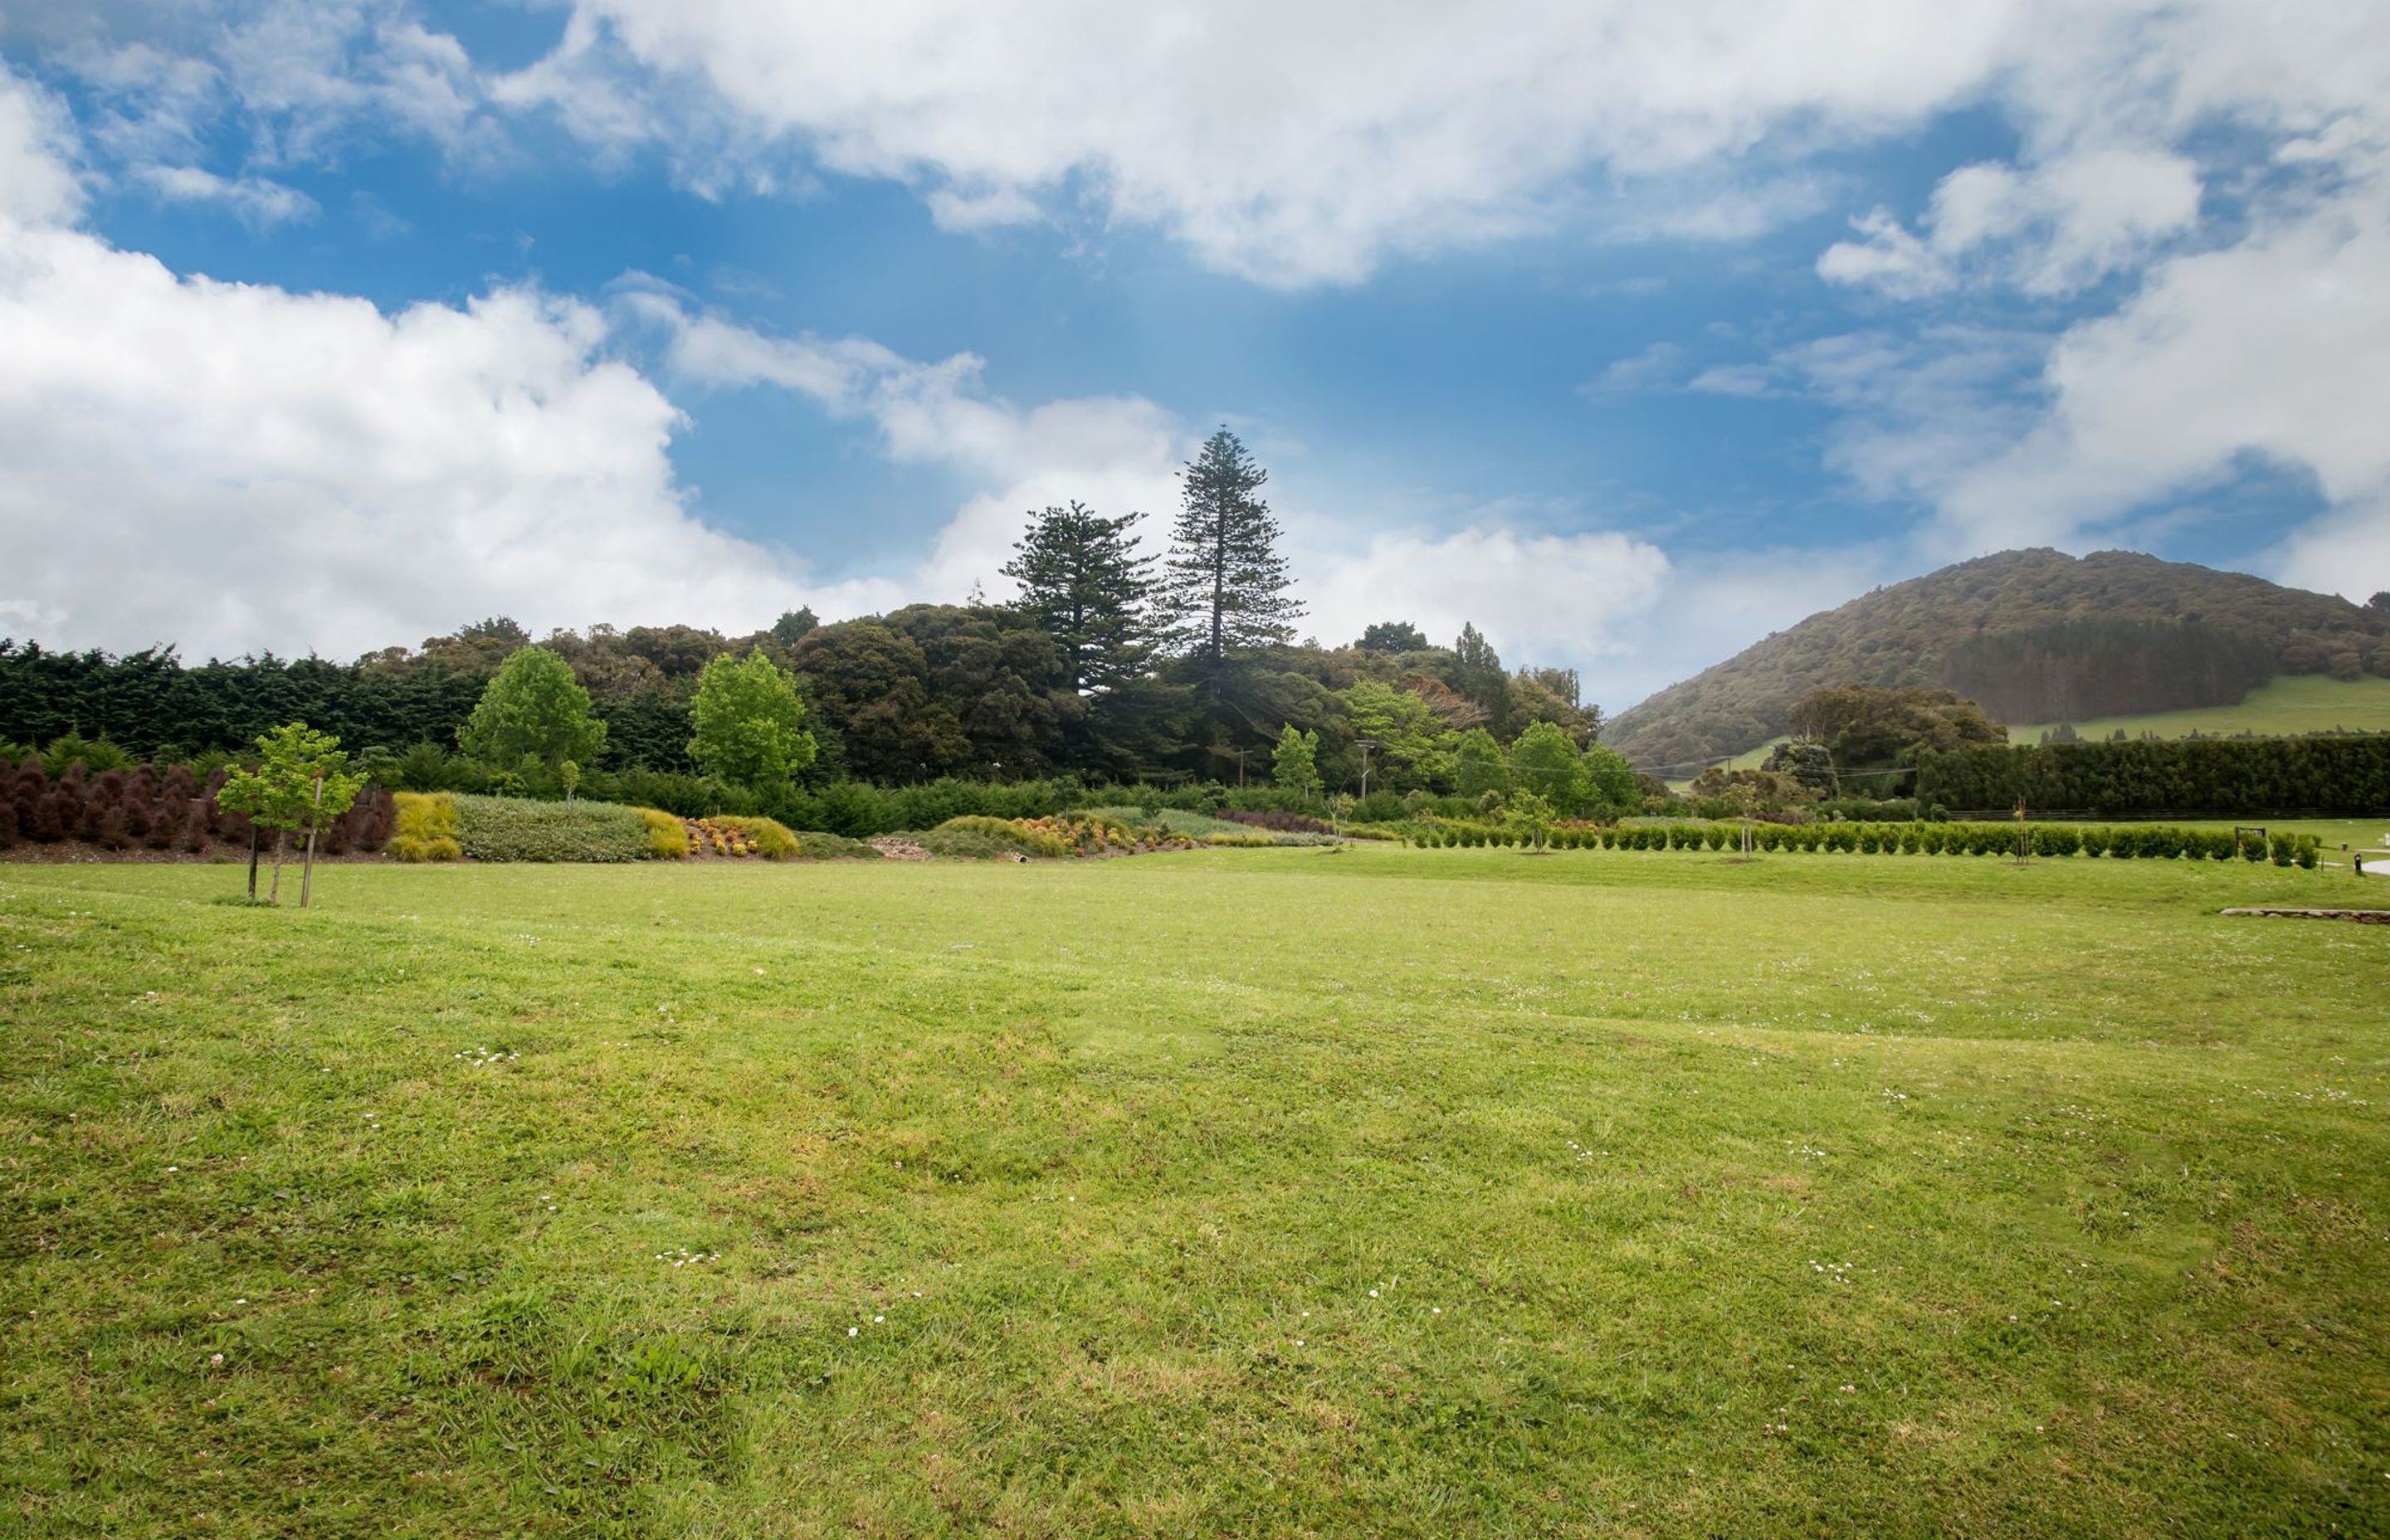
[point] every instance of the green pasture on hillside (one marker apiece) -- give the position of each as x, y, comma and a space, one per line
1278, 1192
2285, 706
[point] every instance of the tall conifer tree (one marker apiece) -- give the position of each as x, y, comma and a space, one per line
1225, 584
1083, 580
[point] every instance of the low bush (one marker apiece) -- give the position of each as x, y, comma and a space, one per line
427, 827
1006, 834
814, 845
763, 836
508, 828
667, 836
966, 844
1277, 822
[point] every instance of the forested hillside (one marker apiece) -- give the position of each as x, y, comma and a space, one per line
2034, 636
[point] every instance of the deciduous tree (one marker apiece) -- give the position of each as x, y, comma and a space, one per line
533, 708
748, 721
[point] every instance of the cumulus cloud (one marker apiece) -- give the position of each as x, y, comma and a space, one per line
2271, 349
254, 199
2051, 230
234, 467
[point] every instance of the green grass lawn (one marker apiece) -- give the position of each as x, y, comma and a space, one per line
2290, 704
1378, 1192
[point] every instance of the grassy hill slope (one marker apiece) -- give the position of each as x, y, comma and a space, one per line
2037, 635
2292, 703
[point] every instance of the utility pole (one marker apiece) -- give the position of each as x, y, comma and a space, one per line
1365, 745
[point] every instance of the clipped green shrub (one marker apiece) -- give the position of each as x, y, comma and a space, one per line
814, 845
508, 828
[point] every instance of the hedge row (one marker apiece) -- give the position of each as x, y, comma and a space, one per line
2148, 841
2187, 777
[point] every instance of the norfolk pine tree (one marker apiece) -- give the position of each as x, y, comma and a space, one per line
1225, 586
1083, 581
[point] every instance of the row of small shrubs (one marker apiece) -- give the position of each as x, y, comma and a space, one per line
2148, 842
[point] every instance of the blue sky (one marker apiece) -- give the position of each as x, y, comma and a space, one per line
1629, 332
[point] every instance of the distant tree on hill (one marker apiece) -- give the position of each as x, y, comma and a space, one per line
1553, 695
2380, 603
533, 708
1812, 764
1864, 727
790, 628
750, 721
1477, 674
1393, 636
1224, 585
1083, 579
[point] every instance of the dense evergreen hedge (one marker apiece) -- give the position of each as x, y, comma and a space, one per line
2126, 841
2188, 777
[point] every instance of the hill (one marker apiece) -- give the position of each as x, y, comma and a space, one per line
2036, 635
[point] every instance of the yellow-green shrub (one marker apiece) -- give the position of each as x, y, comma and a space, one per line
766, 837
427, 827
667, 836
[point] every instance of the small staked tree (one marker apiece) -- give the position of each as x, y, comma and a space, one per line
1530, 816
302, 782
750, 721
1225, 584
1083, 580
1294, 764
534, 707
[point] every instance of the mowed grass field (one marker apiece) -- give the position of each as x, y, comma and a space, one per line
1233, 1192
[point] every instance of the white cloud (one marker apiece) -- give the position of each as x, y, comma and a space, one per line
233, 466
1539, 598
37, 184
2051, 230
253, 198
2273, 349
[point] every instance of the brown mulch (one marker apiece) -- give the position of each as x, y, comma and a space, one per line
896, 849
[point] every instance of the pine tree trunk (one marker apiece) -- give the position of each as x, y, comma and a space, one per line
307, 874
252, 861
